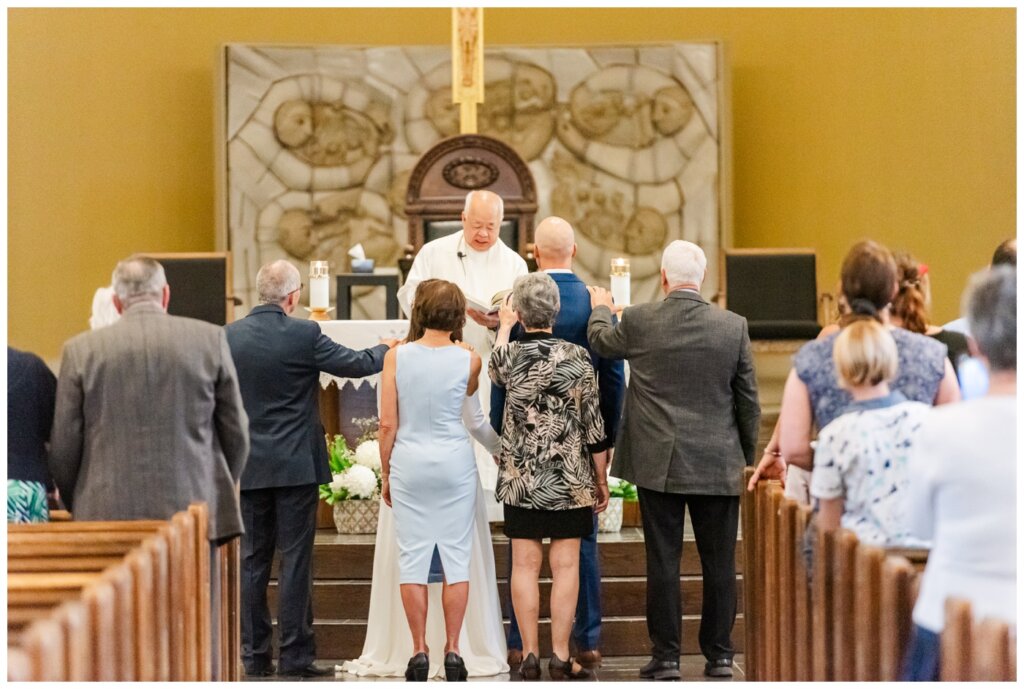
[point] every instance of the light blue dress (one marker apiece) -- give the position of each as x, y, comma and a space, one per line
433, 466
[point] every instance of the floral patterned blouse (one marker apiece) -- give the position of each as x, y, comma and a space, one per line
922, 362
551, 424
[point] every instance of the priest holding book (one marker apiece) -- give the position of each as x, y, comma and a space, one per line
481, 265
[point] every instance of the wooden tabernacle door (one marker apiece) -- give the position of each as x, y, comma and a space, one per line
457, 165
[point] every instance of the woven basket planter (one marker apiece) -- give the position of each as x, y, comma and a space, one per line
356, 516
611, 519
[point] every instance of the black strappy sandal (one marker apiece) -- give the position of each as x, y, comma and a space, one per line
562, 669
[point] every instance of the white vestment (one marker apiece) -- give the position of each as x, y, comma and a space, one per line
388, 644
480, 274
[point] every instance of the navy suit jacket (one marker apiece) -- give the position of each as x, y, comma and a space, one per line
279, 360
571, 325
31, 396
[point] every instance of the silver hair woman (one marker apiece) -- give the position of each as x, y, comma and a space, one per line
963, 495
552, 466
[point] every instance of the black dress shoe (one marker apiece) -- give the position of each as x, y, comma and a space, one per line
560, 670
530, 669
721, 667
418, 668
311, 670
455, 668
262, 672
660, 669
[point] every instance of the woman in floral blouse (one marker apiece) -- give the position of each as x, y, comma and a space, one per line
552, 465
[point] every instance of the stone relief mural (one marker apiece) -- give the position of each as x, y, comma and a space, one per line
622, 141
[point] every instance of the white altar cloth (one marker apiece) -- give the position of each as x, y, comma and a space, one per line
360, 335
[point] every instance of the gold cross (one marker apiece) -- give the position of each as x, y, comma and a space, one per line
467, 64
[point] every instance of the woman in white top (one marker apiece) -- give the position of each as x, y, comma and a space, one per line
963, 493
860, 473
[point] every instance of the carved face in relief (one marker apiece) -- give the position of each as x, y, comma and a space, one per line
672, 109
519, 111
646, 231
330, 229
293, 123
328, 134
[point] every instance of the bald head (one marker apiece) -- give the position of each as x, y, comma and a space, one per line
277, 282
481, 219
554, 244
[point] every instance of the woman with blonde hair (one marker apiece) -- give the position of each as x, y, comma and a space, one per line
860, 475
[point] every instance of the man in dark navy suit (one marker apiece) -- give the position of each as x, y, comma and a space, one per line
279, 360
554, 249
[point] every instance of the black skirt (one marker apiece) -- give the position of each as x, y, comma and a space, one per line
521, 522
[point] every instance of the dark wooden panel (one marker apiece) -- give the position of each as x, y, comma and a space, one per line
620, 597
625, 558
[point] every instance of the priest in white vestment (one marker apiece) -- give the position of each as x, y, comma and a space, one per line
478, 262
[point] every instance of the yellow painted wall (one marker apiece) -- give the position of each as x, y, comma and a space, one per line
894, 124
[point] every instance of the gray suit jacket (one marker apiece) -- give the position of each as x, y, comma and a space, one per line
689, 424
149, 418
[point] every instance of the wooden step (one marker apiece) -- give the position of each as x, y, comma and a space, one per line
620, 596
620, 636
621, 554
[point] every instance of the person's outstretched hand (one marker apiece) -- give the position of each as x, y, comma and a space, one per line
771, 466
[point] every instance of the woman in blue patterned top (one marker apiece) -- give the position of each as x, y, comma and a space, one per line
812, 397
860, 474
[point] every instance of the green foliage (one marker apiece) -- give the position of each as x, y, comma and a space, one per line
340, 458
340, 455
617, 488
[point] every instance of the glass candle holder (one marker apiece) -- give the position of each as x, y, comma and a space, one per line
620, 281
319, 284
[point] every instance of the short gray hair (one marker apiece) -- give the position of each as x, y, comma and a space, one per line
277, 280
683, 262
138, 278
469, 201
991, 306
535, 297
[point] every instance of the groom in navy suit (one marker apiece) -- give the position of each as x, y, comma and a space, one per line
554, 248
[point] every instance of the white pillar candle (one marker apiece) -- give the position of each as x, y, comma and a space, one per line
620, 281
319, 292
319, 285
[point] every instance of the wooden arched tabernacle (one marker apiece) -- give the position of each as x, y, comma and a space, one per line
457, 165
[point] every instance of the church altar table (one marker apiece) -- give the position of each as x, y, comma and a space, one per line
360, 335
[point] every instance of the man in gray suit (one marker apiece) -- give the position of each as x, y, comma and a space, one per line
689, 427
279, 361
149, 417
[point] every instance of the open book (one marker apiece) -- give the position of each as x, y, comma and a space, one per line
490, 306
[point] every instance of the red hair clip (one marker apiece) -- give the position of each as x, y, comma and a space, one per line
922, 269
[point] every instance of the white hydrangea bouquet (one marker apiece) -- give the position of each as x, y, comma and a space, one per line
355, 487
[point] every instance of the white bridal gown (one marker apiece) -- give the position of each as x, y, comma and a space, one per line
388, 644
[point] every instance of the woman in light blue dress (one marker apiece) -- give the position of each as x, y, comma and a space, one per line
428, 466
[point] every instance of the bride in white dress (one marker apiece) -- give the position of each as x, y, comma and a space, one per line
388, 645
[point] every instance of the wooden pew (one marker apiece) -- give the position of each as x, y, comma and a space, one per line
752, 625
848, 619
172, 567
975, 651
802, 638
897, 598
